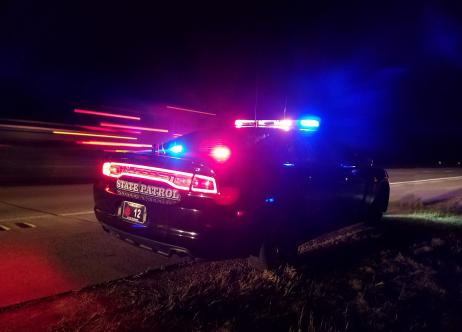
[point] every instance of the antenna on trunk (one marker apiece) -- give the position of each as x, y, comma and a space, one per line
256, 98
285, 108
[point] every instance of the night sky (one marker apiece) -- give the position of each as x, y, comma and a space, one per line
384, 77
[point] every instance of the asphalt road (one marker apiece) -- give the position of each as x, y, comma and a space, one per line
428, 185
50, 241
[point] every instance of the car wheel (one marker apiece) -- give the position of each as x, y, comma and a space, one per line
378, 206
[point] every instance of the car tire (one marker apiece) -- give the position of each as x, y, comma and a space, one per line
378, 206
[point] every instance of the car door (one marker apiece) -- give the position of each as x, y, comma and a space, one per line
318, 184
352, 169
336, 185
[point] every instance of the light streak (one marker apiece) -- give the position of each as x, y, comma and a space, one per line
98, 128
110, 115
133, 145
189, 110
74, 133
114, 125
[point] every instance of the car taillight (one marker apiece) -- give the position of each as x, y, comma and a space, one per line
204, 184
176, 179
110, 169
183, 181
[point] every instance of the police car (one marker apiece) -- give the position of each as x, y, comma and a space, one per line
260, 188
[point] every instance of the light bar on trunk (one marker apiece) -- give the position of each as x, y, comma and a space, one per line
176, 179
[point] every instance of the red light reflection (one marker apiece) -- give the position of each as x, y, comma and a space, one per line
96, 128
111, 115
114, 125
75, 133
35, 275
188, 110
133, 145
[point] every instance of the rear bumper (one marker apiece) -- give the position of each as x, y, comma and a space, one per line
143, 242
183, 239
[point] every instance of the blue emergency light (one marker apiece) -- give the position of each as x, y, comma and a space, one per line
176, 149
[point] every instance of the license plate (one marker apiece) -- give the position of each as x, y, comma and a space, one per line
133, 212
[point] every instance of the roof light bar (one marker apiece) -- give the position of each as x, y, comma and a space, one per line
280, 124
245, 123
308, 124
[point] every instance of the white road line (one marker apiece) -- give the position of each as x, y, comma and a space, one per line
428, 180
30, 225
24, 218
75, 213
130, 241
145, 247
3, 227
46, 216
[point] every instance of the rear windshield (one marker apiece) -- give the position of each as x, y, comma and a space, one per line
252, 143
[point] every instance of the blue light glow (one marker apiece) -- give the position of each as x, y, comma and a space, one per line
269, 200
177, 148
138, 226
309, 123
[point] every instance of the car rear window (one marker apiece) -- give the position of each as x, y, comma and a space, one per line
252, 143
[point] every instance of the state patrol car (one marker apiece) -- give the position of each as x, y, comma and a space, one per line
259, 188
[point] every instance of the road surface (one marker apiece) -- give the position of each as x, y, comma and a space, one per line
50, 241
428, 185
